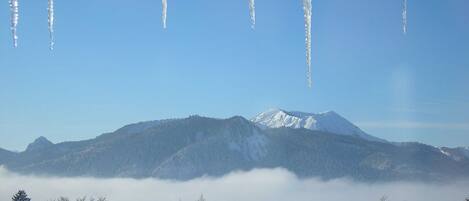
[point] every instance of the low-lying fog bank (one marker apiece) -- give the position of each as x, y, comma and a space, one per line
256, 185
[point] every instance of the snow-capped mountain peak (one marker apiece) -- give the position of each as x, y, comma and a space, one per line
330, 122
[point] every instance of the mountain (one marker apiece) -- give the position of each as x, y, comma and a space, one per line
39, 143
192, 147
459, 153
330, 122
6, 155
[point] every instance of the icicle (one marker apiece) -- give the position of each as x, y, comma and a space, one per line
165, 10
404, 17
307, 7
14, 20
252, 13
50, 10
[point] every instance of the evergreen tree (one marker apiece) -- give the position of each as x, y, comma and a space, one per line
101, 199
63, 199
201, 198
20, 196
81, 199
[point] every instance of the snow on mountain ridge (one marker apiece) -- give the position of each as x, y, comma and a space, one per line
328, 121
457, 154
465, 151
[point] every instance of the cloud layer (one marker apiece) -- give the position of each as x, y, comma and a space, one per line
256, 185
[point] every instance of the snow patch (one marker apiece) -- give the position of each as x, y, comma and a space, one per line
253, 147
444, 152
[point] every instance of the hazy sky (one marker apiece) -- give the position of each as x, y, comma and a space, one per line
114, 64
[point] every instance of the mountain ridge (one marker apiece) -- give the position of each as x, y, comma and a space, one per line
40, 143
329, 121
187, 148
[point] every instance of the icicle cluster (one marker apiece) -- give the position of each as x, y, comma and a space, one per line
165, 11
307, 7
50, 10
404, 17
14, 20
252, 13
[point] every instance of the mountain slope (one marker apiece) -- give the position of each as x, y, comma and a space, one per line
459, 153
39, 143
6, 156
188, 148
330, 122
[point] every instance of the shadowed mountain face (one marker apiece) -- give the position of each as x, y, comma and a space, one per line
6, 156
38, 144
188, 148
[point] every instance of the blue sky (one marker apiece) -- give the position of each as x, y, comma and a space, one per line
114, 64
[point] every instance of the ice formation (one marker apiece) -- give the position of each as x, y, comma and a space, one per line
14, 20
165, 11
404, 17
307, 7
252, 13
50, 10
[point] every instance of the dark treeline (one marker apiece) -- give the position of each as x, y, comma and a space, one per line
22, 196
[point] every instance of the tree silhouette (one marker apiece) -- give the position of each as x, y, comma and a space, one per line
201, 198
81, 199
63, 199
20, 196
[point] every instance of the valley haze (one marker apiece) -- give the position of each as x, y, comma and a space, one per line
263, 185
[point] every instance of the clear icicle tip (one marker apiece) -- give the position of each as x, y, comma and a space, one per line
252, 13
404, 17
164, 13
